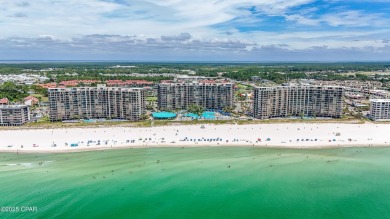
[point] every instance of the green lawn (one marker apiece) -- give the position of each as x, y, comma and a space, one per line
43, 99
241, 86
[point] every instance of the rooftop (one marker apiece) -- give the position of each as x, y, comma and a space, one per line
4, 101
299, 86
94, 88
380, 100
12, 106
196, 82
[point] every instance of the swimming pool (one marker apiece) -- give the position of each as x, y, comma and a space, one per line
208, 115
192, 115
164, 115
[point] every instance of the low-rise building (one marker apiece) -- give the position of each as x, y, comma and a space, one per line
377, 94
14, 115
4, 101
255, 79
25, 78
380, 109
75, 83
350, 84
129, 83
31, 101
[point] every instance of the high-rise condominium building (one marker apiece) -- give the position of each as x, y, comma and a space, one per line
96, 102
285, 101
209, 94
14, 115
380, 109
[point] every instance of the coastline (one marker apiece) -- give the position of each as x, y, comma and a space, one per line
275, 135
79, 150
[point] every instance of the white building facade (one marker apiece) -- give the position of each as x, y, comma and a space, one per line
96, 103
286, 101
14, 115
380, 109
208, 94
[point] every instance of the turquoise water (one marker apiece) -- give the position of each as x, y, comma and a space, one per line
204, 182
163, 115
192, 115
208, 115
89, 120
205, 115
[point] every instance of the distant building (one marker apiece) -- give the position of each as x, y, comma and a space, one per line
14, 115
347, 84
31, 101
378, 94
4, 101
180, 94
129, 83
191, 78
271, 102
96, 102
380, 109
75, 83
255, 79
48, 85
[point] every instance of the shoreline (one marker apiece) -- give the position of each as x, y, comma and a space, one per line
275, 135
80, 150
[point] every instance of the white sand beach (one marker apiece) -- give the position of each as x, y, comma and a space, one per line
294, 135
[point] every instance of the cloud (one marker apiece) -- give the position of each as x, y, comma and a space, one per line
183, 28
181, 37
134, 47
23, 4
72, 17
353, 18
19, 15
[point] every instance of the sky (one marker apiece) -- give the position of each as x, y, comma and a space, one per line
195, 30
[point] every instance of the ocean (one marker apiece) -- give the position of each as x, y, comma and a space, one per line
201, 182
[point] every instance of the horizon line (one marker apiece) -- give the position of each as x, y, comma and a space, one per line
21, 61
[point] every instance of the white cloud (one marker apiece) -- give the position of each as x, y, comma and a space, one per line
353, 19
67, 18
179, 25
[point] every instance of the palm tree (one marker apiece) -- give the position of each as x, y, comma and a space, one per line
228, 109
196, 109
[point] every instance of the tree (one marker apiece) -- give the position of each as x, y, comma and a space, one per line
149, 106
359, 115
144, 117
13, 92
39, 90
228, 109
196, 109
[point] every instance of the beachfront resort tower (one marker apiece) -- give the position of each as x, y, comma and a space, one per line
380, 109
96, 102
286, 101
14, 115
210, 94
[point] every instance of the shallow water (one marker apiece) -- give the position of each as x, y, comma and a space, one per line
204, 182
